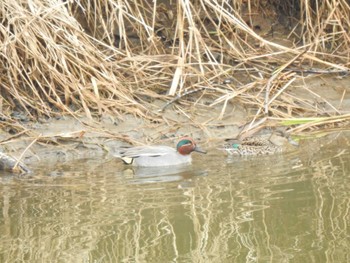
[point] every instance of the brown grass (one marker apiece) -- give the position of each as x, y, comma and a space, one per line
96, 57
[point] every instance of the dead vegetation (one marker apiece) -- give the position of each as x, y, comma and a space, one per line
92, 57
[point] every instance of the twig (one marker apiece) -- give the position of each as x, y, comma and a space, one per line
25, 150
183, 95
318, 71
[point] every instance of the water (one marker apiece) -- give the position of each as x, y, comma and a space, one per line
291, 207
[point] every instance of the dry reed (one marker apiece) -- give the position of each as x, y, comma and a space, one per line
95, 57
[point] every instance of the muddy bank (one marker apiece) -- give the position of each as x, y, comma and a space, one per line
68, 138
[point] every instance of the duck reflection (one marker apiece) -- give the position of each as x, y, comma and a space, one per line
146, 175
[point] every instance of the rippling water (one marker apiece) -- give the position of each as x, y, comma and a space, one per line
291, 207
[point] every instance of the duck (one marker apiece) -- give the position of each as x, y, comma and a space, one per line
159, 155
258, 145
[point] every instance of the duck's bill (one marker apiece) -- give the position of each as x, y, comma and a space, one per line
199, 150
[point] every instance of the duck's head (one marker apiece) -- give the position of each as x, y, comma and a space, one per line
187, 145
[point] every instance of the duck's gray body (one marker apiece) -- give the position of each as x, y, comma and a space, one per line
159, 155
152, 156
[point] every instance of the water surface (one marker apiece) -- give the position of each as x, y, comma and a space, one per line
291, 207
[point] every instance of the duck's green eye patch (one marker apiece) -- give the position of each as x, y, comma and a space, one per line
235, 145
183, 142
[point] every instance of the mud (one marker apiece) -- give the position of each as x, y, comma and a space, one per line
66, 138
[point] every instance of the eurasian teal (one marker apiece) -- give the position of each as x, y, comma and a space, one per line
261, 145
159, 155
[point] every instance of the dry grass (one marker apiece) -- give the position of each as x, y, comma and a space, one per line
92, 57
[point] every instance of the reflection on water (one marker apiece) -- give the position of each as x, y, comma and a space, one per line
292, 207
